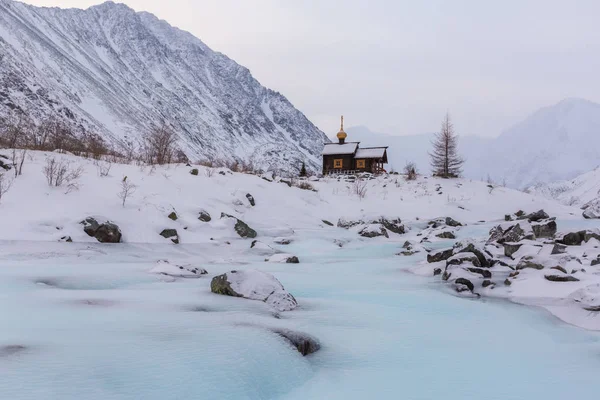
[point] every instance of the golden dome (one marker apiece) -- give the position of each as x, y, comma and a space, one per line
341, 134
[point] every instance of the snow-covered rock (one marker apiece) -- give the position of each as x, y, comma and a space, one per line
591, 210
254, 285
283, 258
164, 267
373, 230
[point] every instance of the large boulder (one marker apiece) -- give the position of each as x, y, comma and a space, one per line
254, 285
463, 285
440, 255
591, 210
469, 246
517, 232
544, 229
511, 248
241, 228
347, 224
462, 258
170, 234
106, 232
204, 216
537, 216
446, 235
576, 238
393, 225
373, 230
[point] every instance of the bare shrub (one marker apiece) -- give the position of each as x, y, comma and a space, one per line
103, 168
5, 185
360, 188
62, 173
305, 186
209, 172
159, 146
410, 170
127, 190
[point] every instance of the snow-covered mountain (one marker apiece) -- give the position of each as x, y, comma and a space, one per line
555, 143
116, 72
579, 191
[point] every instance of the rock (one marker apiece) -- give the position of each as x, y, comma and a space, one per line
254, 285
346, 224
241, 228
559, 268
173, 216
463, 284
204, 216
511, 248
251, 199
5, 166
373, 230
507, 282
263, 249
544, 229
559, 249
590, 234
452, 222
327, 222
437, 271
446, 235
446, 275
195, 172
440, 255
392, 225
571, 239
468, 246
483, 272
591, 210
104, 233
170, 234
486, 283
537, 216
530, 262
595, 262
496, 234
305, 344
461, 258
11, 349
516, 233
283, 258
283, 241
561, 278
164, 267
66, 239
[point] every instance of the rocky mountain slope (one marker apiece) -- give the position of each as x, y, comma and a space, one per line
118, 73
555, 143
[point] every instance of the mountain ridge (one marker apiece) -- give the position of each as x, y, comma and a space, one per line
114, 71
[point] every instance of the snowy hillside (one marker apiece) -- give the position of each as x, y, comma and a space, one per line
578, 191
237, 286
115, 72
553, 144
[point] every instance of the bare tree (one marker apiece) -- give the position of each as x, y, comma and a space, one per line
445, 160
60, 172
103, 168
127, 190
159, 146
410, 169
5, 184
359, 188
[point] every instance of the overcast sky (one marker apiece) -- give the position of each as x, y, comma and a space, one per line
397, 66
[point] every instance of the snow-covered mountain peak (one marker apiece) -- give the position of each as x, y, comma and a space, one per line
117, 72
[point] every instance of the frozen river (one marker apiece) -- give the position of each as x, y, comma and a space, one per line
81, 322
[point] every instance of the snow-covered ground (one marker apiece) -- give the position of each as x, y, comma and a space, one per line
86, 320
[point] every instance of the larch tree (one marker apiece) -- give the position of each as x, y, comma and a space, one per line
445, 160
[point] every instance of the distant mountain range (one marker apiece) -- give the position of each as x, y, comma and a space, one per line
553, 144
116, 72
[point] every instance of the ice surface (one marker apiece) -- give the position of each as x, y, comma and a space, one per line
385, 333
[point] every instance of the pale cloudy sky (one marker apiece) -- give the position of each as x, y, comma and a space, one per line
396, 66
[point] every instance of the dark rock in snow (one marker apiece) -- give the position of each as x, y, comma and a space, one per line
595, 262
511, 248
515, 234
446, 235
282, 241
204, 216
437, 271
452, 222
486, 283
483, 272
343, 223
571, 239
461, 258
439, 255
485, 258
241, 227
66, 239
373, 231
327, 222
173, 216
194, 172
544, 229
292, 260
305, 344
170, 234
561, 278
537, 216
251, 199
463, 284
559, 249
104, 233
559, 268
529, 262
507, 282
393, 225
